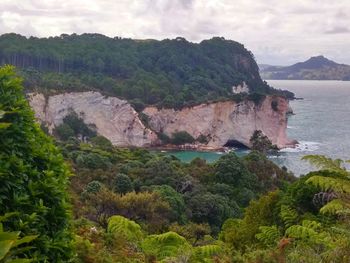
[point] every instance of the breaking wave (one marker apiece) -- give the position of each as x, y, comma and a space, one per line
303, 146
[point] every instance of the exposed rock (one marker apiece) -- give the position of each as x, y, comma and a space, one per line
225, 121
219, 122
241, 88
114, 118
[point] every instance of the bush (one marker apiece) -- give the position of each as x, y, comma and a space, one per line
261, 143
181, 137
64, 131
101, 142
33, 177
203, 139
123, 184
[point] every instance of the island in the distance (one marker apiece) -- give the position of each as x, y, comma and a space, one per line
315, 68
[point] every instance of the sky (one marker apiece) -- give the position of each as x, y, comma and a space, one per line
278, 32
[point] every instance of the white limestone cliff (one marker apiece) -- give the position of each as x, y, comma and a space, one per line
119, 122
225, 121
114, 118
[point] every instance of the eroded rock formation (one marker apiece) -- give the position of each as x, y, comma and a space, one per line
226, 121
219, 122
114, 118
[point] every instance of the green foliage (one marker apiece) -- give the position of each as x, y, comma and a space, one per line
325, 163
203, 139
288, 215
230, 170
93, 187
261, 143
268, 235
169, 73
193, 232
270, 175
175, 200
64, 131
101, 142
33, 177
73, 125
165, 245
334, 179
93, 161
123, 184
122, 227
12, 245
181, 137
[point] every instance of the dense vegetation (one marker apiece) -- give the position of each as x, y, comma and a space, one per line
169, 73
33, 179
130, 205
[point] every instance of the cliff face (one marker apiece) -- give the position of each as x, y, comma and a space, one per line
226, 121
114, 118
220, 122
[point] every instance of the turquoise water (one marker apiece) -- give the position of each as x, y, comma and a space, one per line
187, 156
321, 124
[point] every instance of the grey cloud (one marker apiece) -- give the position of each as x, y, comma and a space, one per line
278, 32
338, 30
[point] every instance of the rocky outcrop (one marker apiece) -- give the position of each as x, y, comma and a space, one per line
219, 122
114, 118
222, 122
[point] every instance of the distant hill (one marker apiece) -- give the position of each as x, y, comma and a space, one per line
315, 68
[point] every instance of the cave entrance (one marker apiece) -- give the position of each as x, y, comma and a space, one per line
235, 144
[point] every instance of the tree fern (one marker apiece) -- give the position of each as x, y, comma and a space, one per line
268, 236
165, 245
288, 215
336, 206
324, 163
125, 228
309, 231
338, 182
338, 185
208, 251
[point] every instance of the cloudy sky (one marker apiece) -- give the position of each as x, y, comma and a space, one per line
277, 31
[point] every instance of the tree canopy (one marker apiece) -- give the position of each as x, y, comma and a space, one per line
170, 73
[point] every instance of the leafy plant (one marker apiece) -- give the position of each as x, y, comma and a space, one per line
12, 246
122, 227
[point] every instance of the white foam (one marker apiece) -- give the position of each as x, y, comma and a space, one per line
291, 127
303, 146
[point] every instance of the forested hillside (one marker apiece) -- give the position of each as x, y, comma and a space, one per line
131, 205
170, 73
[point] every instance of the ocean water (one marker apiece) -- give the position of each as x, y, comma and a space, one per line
321, 124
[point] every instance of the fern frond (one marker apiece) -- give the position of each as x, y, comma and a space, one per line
330, 184
208, 251
165, 245
336, 206
288, 215
325, 163
124, 227
301, 232
269, 235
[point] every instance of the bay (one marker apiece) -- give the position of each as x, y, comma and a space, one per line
321, 124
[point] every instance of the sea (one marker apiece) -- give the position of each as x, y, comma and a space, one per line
321, 125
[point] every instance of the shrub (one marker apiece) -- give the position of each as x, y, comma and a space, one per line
64, 131
181, 137
123, 184
33, 177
